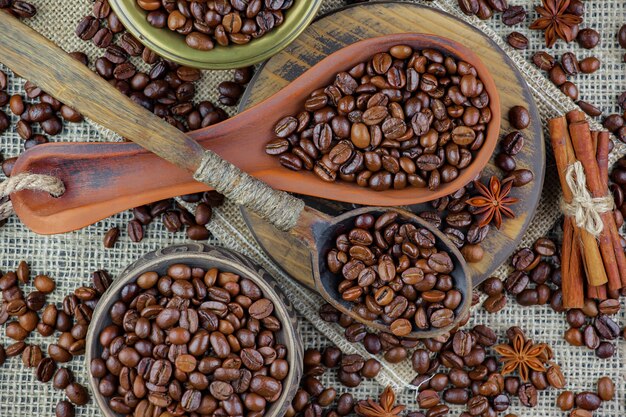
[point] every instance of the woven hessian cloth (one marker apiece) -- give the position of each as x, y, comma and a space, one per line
70, 258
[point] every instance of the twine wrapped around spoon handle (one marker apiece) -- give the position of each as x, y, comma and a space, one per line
278, 207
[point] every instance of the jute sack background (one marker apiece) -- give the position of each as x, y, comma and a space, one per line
72, 257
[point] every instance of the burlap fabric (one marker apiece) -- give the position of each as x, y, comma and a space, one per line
70, 258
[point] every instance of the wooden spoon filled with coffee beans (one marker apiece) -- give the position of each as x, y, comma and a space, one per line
399, 240
388, 121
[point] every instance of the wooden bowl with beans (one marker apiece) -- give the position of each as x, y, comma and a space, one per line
194, 329
220, 35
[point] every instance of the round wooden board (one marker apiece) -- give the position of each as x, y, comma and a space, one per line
354, 23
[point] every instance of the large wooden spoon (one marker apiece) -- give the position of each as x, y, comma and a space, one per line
106, 178
42, 62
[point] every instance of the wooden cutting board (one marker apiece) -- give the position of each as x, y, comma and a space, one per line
354, 23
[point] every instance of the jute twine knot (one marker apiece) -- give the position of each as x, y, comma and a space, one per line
585, 209
26, 181
280, 208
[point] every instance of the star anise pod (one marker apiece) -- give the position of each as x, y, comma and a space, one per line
493, 202
556, 22
383, 408
522, 355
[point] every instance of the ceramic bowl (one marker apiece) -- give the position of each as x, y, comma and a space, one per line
203, 256
171, 45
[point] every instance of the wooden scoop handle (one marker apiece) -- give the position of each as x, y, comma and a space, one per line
37, 59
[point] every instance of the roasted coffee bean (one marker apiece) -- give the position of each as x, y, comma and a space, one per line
517, 40
77, 394
606, 327
111, 236
519, 117
495, 303
591, 338
605, 350
64, 409
527, 394
31, 356
588, 108
589, 401
588, 38
135, 231
543, 61
45, 370
570, 64
565, 400
512, 143
87, 28
606, 388
514, 15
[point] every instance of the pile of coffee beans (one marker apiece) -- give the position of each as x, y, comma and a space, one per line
569, 66
584, 403
536, 280
38, 110
559, 72
39, 116
205, 24
191, 342
474, 378
25, 314
392, 272
393, 348
403, 118
313, 397
512, 144
175, 217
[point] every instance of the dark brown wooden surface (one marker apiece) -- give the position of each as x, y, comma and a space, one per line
368, 20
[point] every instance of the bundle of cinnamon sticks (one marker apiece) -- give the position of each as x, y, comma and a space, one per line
591, 266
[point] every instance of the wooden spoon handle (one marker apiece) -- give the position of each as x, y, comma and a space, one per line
37, 59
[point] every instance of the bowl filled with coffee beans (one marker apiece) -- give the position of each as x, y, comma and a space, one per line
220, 34
194, 330
397, 272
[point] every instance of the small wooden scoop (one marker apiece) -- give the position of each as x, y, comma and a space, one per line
46, 65
103, 178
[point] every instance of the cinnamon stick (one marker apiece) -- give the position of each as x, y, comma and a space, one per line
572, 281
602, 156
601, 146
564, 157
614, 260
598, 293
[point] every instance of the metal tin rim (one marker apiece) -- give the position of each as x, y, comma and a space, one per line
171, 45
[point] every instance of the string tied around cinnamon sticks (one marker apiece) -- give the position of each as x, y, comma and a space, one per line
583, 207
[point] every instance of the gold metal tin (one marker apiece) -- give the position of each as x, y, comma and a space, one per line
172, 46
